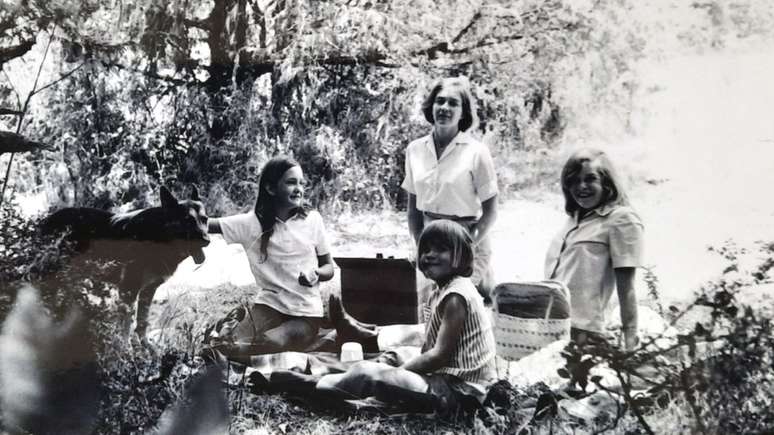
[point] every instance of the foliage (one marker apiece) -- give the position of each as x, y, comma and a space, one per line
205, 92
45, 365
721, 369
143, 94
41, 366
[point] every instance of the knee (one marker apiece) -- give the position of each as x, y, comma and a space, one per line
291, 337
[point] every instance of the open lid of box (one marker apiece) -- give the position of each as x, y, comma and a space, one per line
369, 263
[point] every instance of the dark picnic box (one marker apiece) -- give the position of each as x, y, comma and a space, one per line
380, 290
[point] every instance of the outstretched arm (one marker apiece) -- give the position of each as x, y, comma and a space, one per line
624, 277
452, 320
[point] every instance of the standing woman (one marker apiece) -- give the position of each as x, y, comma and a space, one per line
450, 175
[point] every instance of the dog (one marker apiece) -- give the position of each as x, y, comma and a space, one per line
146, 245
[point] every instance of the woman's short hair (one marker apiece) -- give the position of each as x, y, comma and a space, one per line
449, 235
461, 85
612, 187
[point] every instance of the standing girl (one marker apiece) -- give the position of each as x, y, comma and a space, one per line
598, 250
458, 356
451, 175
288, 254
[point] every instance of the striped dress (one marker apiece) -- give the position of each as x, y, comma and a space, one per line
473, 359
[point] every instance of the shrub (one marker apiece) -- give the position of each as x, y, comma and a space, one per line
720, 370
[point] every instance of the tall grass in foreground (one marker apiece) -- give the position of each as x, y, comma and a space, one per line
716, 377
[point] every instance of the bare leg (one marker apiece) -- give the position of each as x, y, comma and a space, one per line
293, 334
368, 378
265, 330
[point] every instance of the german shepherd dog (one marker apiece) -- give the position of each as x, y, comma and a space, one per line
146, 245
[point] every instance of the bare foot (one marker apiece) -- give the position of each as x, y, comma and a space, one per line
347, 327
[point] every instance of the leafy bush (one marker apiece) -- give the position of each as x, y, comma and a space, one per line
720, 369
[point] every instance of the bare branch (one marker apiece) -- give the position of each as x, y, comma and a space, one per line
153, 75
16, 143
467, 28
199, 24
62, 77
4, 111
14, 51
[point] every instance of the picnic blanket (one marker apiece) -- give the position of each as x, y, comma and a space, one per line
296, 373
532, 378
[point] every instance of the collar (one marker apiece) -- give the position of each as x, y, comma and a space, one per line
461, 138
298, 213
599, 211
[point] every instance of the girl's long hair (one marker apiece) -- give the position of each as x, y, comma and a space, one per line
265, 206
612, 187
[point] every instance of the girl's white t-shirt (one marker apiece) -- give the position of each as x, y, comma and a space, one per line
293, 248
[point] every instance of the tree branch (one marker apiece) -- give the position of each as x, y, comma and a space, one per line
14, 51
62, 77
4, 111
199, 24
467, 28
153, 75
15, 143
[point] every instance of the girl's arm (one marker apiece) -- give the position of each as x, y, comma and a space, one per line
324, 267
213, 226
624, 278
488, 218
452, 320
415, 218
323, 272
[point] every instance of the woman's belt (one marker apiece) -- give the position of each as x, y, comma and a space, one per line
458, 219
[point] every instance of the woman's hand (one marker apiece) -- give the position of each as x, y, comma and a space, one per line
415, 217
488, 218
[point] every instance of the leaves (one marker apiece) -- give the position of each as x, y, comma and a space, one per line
204, 412
43, 366
720, 368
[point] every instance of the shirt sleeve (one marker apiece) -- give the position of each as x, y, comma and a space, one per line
240, 228
484, 175
408, 180
626, 239
321, 244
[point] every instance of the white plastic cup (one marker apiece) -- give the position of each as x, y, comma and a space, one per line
351, 351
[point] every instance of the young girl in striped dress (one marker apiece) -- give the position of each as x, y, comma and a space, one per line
458, 356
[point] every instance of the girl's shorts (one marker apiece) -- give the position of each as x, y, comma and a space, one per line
454, 398
247, 324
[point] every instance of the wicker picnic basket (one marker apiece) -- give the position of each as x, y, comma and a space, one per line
529, 316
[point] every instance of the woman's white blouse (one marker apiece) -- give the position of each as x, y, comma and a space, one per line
456, 183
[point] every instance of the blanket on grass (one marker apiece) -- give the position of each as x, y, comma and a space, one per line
296, 373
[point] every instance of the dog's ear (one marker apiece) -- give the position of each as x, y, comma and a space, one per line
195, 193
167, 199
